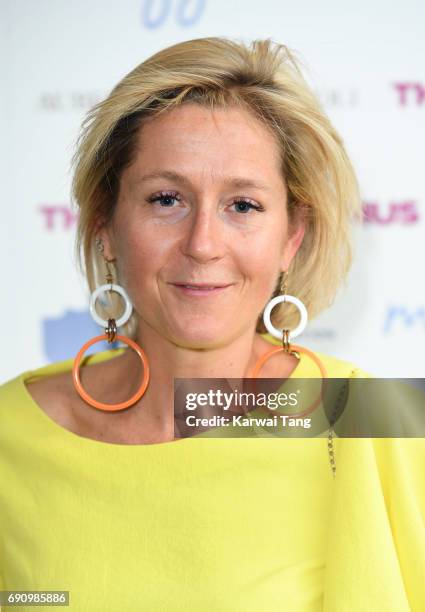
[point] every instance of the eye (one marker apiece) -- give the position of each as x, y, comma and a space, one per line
166, 197
244, 206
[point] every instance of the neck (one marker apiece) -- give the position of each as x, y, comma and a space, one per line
234, 358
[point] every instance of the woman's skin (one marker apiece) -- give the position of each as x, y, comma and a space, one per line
194, 234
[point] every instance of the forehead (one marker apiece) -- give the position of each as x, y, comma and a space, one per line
217, 142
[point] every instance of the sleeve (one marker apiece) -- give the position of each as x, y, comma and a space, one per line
2, 587
377, 542
401, 463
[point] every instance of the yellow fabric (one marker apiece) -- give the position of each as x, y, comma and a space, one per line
208, 524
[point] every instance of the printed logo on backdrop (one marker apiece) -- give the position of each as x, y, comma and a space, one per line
185, 13
63, 336
405, 212
409, 93
57, 217
403, 317
339, 98
320, 333
63, 101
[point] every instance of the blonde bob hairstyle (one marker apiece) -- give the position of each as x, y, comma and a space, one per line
265, 78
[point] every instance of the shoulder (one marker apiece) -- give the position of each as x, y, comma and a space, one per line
41, 373
337, 367
58, 367
51, 387
14, 393
11, 389
46, 383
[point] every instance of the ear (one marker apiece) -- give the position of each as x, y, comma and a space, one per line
105, 233
293, 242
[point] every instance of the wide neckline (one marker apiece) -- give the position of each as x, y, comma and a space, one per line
43, 418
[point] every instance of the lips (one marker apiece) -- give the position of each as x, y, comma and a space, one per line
201, 290
202, 285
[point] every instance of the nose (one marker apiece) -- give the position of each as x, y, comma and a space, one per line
204, 236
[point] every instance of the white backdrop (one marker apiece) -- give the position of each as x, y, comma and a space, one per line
365, 59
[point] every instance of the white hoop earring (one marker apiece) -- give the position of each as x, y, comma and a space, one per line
111, 287
278, 333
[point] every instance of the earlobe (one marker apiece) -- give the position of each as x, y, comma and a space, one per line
104, 242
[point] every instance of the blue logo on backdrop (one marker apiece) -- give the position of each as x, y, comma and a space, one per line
403, 317
156, 12
64, 336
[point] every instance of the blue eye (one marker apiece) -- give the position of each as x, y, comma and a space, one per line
247, 206
164, 197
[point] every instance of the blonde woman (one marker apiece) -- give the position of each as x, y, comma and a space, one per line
209, 182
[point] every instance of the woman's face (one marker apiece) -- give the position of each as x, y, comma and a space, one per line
204, 202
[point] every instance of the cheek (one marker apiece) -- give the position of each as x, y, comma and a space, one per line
262, 258
138, 253
143, 255
264, 276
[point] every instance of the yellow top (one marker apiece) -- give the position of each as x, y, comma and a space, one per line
209, 524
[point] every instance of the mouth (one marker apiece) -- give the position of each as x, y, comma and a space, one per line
202, 289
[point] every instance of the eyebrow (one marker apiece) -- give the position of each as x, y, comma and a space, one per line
231, 181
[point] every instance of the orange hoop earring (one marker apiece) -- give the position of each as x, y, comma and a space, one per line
294, 348
110, 407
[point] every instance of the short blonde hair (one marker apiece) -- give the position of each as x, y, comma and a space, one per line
265, 78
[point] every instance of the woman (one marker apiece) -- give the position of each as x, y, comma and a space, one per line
209, 182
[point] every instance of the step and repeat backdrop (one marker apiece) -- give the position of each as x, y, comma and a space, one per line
364, 59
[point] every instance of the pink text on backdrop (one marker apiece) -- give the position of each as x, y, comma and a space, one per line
412, 94
57, 216
402, 213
